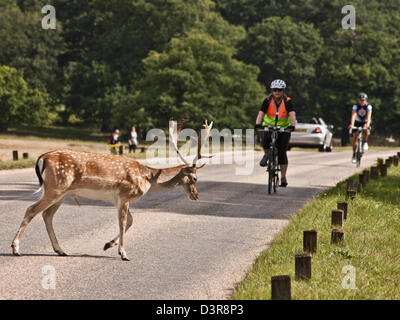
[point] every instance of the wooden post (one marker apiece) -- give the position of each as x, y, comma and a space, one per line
337, 217
351, 194
310, 241
280, 288
303, 266
361, 180
396, 161
374, 173
358, 187
15, 155
121, 150
25, 155
379, 166
349, 184
337, 236
366, 175
383, 170
343, 205
388, 162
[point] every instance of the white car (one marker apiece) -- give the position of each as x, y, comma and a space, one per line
312, 132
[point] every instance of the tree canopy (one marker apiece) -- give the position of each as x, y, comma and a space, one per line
140, 62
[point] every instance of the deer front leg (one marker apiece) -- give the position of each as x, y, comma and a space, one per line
48, 215
115, 241
122, 217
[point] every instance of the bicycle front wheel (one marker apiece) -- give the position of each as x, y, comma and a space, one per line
276, 175
271, 172
358, 156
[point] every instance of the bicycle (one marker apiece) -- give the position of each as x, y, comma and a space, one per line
360, 147
273, 166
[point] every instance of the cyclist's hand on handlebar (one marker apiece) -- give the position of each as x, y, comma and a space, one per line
291, 128
258, 126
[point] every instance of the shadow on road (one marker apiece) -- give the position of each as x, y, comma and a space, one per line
57, 256
224, 199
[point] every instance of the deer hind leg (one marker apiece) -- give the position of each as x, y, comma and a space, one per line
115, 241
48, 216
122, 217
45, 202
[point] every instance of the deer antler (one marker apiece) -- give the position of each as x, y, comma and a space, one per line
173, 136
202, 140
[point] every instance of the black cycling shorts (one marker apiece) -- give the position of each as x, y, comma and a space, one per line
358, 124
282, 144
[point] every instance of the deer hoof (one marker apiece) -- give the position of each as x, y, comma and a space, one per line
61, 253
108, 245
15, 251
125, 259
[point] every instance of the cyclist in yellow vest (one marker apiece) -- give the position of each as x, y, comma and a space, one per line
277, 104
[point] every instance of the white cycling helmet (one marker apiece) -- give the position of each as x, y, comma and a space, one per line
278, 84
362, 96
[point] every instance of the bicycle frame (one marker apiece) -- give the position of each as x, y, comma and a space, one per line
359, 149
273, 166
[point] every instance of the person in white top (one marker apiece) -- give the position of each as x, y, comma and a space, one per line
133, 140
361, 117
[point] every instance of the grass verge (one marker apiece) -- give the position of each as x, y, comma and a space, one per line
372, 237
19, 164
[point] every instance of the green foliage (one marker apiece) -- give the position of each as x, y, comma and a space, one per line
197, 78
19, 103
286, 50
104, 53
26, 46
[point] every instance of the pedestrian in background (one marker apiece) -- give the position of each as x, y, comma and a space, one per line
114, 142
133, 140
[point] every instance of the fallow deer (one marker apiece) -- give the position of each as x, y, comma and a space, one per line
111, 178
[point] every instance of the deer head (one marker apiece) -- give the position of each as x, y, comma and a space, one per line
187, 177
189, 180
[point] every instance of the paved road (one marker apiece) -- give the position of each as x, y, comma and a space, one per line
179, 249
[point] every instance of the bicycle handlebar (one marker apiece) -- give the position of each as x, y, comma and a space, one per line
277, 128
358, 129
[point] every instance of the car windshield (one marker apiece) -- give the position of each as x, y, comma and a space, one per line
309, 120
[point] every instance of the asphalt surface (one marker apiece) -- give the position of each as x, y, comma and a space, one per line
179, 249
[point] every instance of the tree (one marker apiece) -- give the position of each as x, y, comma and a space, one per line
197, 78
19, 103
285, 50
26, 46
86, 96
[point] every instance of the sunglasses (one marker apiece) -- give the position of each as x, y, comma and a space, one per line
277, 90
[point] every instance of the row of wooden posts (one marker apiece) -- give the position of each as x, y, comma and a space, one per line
281, 285
25, 155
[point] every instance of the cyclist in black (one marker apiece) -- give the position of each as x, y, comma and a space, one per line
277, 103
361, 117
